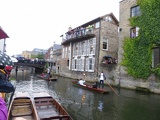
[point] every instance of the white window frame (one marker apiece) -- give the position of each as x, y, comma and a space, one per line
105, 41
135, 11
97, 25
108, 18
63, 52
88, 64
134, 32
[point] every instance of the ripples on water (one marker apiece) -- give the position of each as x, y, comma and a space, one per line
87, 105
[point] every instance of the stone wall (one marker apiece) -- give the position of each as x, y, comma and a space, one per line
122, 79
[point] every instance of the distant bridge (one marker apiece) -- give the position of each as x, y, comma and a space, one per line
39, 66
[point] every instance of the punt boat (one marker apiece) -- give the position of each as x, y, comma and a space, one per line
89, 87
22, 107
48, 108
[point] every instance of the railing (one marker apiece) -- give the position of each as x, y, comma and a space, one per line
77, 34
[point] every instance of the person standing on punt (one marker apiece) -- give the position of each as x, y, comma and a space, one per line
49, 72
102, 77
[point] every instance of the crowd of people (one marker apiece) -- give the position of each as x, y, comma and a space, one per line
79, 31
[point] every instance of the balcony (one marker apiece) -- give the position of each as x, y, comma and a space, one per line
78, 35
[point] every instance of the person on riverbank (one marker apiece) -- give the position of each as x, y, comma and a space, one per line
102, 77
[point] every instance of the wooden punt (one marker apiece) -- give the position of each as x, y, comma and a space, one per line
46, 78
48, 108
89, 87
22, 108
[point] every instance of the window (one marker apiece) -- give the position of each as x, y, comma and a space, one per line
135, 11
105, 44
109, 19
91, 46
67, 62
65, 52
82, 48
134, 32
75, 65
68, 52
97, 25
90, 62
78, 64
156, 57
75, 49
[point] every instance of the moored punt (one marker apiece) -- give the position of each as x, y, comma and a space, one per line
46, 78
22, 108
48, 108
89, 87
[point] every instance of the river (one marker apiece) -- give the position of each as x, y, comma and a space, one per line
87, 105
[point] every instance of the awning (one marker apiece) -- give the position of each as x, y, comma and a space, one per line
107, 57
3, 35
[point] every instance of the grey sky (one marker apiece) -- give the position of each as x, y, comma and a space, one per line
38, 23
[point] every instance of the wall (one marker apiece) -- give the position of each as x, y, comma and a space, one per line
122, 78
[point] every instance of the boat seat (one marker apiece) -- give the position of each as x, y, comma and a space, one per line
21, 110
45, 111
43, 102
18, 104
59, 117
23, 118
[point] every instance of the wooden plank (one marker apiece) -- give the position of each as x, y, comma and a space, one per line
59, 117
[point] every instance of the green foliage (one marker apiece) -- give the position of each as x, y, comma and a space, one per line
39, 56
156, 70
138, 51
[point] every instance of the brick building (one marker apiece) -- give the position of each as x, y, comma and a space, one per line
90, 47
128, 9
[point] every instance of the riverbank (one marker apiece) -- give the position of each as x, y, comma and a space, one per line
127, 83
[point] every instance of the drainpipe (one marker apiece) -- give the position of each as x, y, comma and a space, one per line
4, 46
70, 56
99, 37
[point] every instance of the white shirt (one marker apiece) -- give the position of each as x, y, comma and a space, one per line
48, 70
81, 82
101, 76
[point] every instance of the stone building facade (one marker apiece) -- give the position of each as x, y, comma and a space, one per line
129, 8
90, 48
26, 54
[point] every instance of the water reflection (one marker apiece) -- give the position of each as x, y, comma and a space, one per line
87, 105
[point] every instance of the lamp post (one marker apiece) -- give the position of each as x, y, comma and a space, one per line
84, 75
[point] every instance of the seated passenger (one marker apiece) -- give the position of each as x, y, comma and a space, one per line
42, 74
95, 85
81, 82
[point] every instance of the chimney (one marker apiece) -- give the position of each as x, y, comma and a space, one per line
70, 28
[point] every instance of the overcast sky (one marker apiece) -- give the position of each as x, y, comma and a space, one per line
38, 23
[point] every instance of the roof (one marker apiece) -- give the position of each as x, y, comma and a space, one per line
112, 15
96, 20
57, 46
3, 35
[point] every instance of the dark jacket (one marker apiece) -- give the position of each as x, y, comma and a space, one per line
5, 85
